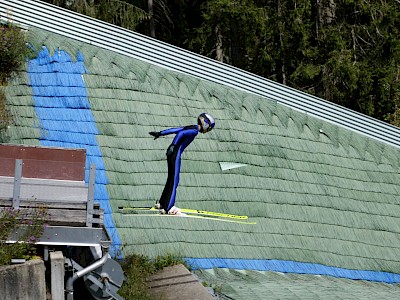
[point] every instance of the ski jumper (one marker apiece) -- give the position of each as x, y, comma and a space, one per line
184, 136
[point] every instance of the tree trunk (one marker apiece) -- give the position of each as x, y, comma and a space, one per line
326, 10
281, 69
151, 18
218, 45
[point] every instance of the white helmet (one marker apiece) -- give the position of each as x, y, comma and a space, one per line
206, 122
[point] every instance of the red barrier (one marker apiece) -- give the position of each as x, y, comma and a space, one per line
43, 162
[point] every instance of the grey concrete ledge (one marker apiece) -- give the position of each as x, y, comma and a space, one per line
23, 281
177, 283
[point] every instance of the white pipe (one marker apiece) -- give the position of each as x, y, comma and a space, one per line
69, 286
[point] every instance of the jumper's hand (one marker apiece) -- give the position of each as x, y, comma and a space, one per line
170, 149
155, 134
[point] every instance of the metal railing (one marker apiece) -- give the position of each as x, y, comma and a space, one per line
101, 34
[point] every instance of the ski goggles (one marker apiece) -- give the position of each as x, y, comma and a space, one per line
205, 124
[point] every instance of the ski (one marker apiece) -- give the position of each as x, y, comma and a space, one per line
184, 210
218, 219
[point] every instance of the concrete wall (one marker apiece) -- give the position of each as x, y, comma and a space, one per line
23, 282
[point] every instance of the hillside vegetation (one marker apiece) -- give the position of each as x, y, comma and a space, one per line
346, 52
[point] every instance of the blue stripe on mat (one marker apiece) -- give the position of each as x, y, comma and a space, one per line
63, 108
291, 267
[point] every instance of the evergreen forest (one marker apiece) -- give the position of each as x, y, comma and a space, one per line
344, 51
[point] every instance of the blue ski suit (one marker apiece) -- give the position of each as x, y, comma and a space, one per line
184, 136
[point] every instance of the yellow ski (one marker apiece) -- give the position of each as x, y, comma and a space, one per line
139, 213
186, 211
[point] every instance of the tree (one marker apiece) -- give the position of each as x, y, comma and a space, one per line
230, 31
345, 51
359, 57
120, 13
13, 54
